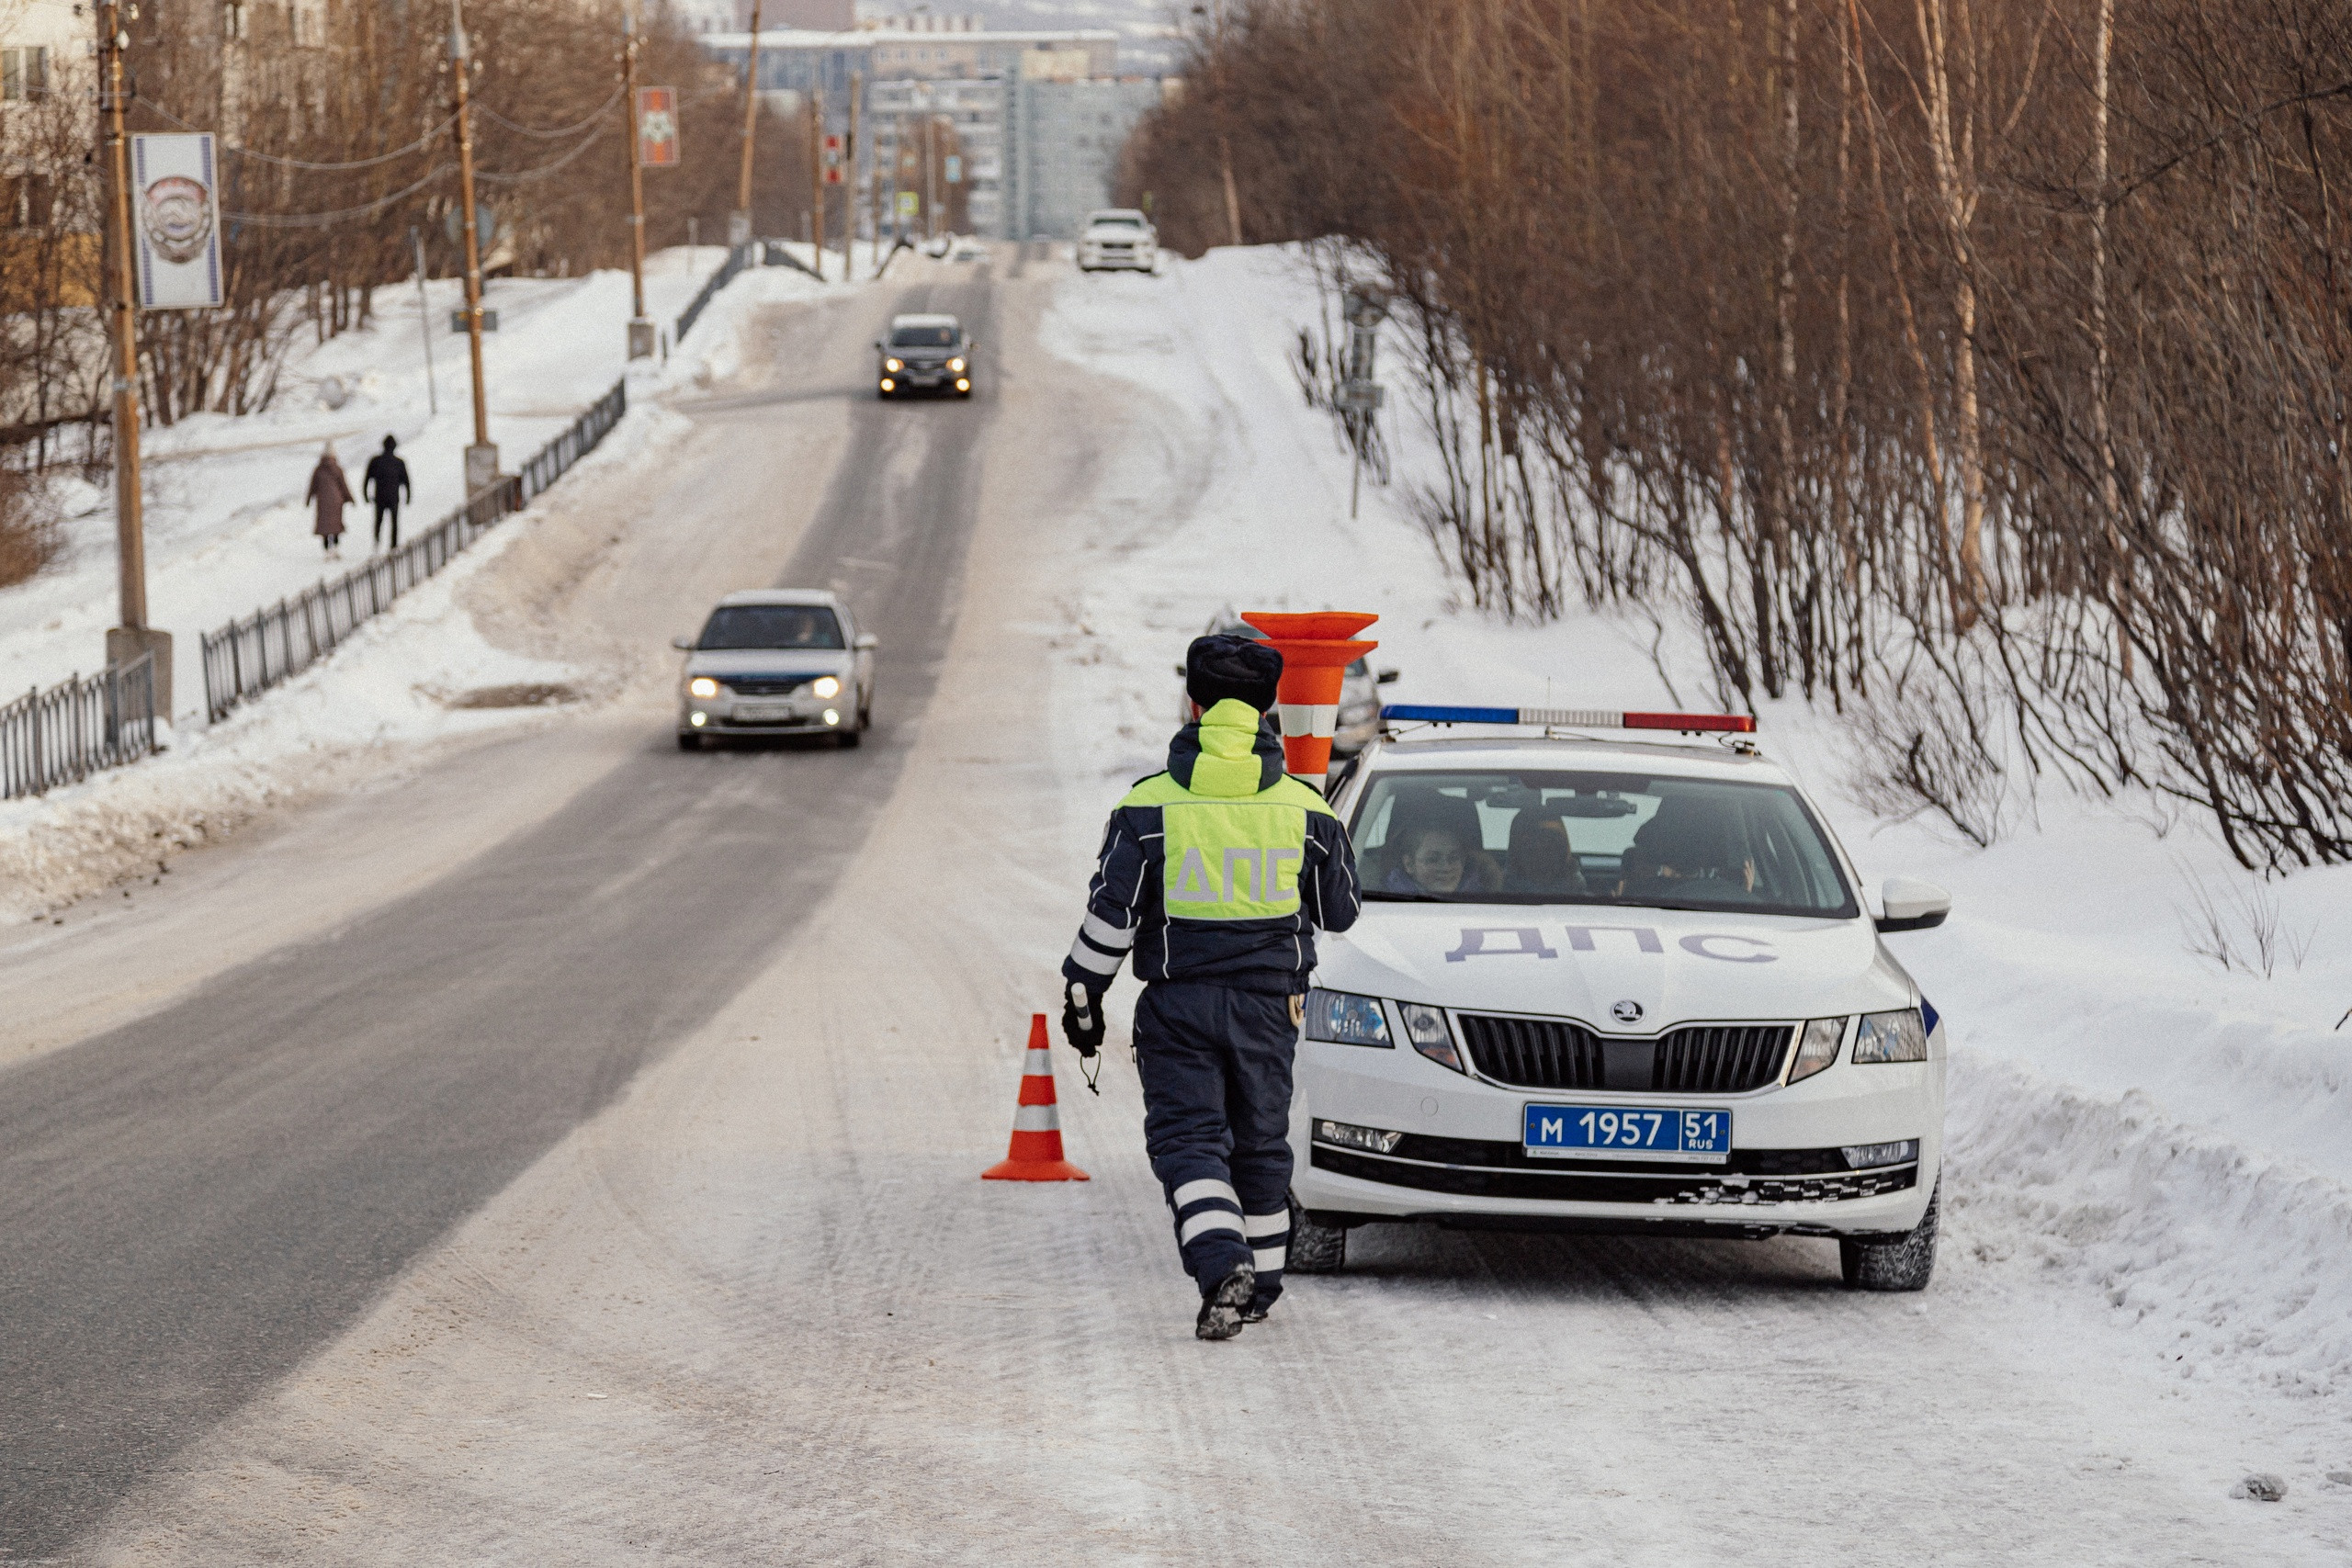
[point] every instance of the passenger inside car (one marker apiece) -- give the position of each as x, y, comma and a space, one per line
1541, 858
1435, 860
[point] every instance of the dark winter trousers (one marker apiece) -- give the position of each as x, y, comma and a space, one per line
383, 512
1216, 1065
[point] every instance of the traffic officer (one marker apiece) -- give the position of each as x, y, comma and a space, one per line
1215, 875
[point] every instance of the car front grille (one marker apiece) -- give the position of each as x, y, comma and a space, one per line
765, 685
1534, 1052
1555, 1054
1720, 1058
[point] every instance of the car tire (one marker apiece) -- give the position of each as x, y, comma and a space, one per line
1315, 1248
1900, 1263
850, 740
689, 742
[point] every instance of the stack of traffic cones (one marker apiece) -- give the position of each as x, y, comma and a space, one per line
1036, 1151
1315, 655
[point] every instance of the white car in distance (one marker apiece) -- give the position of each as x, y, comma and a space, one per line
1118, 238
775, 661
1615, 985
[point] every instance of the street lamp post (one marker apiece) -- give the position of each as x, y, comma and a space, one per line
739, 225
135, 637
482, 458
640, 326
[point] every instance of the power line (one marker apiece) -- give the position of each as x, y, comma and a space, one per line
415, 147
323, 219
543, 170
606, 109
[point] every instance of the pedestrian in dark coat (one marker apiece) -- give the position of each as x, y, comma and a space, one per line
387, 485
330, 493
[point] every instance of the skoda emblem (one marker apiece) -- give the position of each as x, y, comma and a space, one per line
1627, 1011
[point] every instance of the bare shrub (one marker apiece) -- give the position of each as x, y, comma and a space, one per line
28, 534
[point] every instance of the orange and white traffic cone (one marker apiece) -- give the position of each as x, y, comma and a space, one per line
1316, 652
1036, 1151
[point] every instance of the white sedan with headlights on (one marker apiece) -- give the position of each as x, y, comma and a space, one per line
1614, 972
774, 662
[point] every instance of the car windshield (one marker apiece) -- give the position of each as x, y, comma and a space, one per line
772, 626
923, 337
1115, 221
1591, 838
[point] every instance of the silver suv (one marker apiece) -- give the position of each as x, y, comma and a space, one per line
777, 661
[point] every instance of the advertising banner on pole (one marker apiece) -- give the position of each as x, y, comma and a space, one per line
178, 221
833, 159
909, 203
657, 128
954, 169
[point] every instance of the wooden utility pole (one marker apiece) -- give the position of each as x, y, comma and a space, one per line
640, 329
135, 637
849, 173
482, 458
739, 228
817, 179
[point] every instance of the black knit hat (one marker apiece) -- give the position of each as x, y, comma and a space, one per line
1221, 665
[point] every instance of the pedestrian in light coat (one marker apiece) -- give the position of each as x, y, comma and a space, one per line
330, 493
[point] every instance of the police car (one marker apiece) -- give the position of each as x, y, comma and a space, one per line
1613, 973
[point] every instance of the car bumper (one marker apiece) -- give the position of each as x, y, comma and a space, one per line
1786, 1173
1107, 260
803, 717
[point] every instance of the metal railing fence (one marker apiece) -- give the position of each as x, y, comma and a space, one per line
750, 254
279, 641
76, 728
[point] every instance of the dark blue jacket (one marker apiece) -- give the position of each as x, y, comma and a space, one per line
1220, 869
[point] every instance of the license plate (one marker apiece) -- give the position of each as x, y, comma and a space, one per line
763, 713
1628, 1131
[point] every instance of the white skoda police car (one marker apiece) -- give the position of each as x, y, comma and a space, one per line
1618, 984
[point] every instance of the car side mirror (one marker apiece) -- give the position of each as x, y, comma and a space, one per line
864, 642
683, 644
1388, 677
1911, 905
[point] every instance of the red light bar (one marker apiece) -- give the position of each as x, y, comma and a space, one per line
1576, 718
1718, 723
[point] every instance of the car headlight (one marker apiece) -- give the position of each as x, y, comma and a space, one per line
892, 365
957, 366
702, 686
1818, 1049
825, 686
1891, 1037
1425, 1027
1346, 1019
1347, 1136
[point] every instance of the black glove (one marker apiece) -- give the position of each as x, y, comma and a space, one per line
1082, 1019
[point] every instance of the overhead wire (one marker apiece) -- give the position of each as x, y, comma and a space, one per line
420, 145
601, 110
323, 219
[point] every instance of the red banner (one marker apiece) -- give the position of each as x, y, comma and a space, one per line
833, 160
657, 127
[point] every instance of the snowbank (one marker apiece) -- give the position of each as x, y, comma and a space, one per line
227, 527
409, 677
2125, 1114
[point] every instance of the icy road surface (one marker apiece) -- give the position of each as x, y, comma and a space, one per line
593, 1178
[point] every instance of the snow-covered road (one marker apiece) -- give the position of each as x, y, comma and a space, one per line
759, 1308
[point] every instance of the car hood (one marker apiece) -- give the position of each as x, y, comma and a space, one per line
1582, 961
804, 664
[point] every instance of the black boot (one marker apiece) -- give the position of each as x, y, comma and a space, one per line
1221, 1308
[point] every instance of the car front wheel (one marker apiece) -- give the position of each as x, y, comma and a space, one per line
1899, 1263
